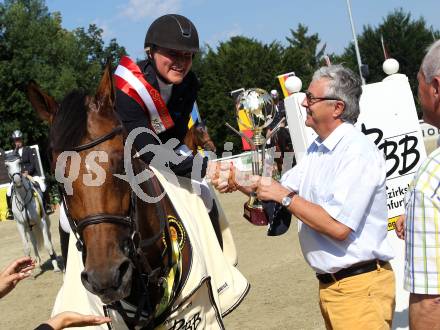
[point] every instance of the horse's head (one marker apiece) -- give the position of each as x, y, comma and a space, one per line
13, 166
203, 139
97, 202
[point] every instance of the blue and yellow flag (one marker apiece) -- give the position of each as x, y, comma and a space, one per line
195, 116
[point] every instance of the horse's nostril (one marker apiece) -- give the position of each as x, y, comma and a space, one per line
123, 268
84, 277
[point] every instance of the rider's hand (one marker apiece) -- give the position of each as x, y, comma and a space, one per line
212, 170
219, 174
16, 271
73, 319
400, 227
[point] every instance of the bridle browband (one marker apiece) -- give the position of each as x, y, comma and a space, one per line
115, 131
146, 274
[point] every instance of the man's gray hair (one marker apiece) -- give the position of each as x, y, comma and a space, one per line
431, 62
343, 84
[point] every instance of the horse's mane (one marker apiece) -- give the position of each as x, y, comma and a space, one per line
70, 123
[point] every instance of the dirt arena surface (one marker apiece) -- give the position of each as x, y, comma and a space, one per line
283, 291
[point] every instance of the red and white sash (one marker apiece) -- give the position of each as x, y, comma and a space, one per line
130, 80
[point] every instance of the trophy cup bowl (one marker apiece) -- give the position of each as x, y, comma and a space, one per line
259, 109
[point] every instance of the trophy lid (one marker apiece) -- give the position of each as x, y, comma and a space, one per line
258, 107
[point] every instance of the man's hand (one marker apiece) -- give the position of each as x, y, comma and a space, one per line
400, 227
222, 176
73, 319
270, 190
18, 270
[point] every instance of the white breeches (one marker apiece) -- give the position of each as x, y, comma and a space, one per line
64, 222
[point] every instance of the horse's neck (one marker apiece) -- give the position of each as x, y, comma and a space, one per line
190, 139
24, 191
146, 213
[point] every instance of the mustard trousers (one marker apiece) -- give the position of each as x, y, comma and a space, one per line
364, 301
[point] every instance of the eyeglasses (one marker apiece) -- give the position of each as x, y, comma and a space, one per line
313, 99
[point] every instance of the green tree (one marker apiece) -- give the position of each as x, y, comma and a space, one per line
303, 54
244, 62
35, 46
405, 39
238, 62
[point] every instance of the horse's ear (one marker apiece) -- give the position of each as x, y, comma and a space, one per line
44, 104
106, 90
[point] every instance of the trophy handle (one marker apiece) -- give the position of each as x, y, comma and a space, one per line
276, 128
255, 161
248, 140
253, 209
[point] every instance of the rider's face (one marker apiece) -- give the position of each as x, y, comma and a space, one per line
172, 65
18, 143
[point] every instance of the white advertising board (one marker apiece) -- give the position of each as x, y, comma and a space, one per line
296, 116
389, 118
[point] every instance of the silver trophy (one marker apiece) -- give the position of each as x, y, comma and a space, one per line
259, 109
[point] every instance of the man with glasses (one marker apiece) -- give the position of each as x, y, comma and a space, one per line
338, 193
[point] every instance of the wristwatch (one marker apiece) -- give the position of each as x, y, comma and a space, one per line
288, 199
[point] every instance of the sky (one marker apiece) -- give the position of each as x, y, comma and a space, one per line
217, 20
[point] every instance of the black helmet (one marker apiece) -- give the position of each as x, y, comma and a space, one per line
174, 32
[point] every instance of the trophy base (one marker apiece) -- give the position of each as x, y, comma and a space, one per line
255, 216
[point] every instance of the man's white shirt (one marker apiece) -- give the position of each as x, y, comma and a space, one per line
345, 174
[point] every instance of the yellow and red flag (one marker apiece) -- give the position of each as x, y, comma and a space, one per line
282, 79
244, 125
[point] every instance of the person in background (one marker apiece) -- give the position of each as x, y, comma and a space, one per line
280, 110
20, 269
338, 193
281, 140
420, 226
29, 168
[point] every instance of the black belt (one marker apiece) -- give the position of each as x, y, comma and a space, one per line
357, 269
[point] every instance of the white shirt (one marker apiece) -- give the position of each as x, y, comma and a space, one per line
165, 90
344, 174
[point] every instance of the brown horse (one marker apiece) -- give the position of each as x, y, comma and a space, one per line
198, 137
125, 242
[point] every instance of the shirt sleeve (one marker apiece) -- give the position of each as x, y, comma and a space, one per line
358, 180
292, 178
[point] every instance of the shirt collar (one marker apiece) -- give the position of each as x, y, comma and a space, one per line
333, 139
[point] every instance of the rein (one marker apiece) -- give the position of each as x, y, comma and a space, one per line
146, 275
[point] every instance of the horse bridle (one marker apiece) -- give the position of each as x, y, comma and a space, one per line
95, 219
146, 273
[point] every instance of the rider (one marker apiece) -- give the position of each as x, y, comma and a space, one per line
170, 44
280, 110
283, 135
30, 168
